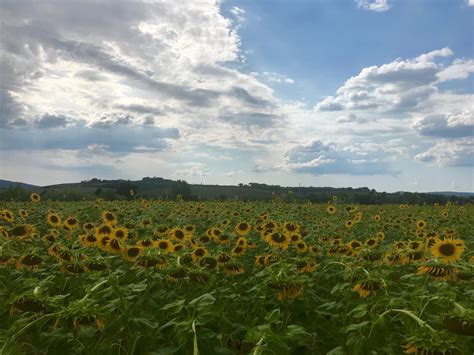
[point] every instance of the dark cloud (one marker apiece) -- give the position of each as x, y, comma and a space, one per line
250, 119
244, 96
452, 126
121, 138
51, 121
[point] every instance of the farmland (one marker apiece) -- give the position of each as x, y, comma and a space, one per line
232, 277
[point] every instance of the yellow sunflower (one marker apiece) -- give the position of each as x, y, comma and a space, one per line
331, 209
448, 250
35, 197
165, 246
120, 233
54, 220
109, 218
278, 240
199, 253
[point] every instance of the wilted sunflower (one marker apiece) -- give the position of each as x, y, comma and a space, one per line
440, 271
31, 261
287, 290
365, 288
223, 258
165, 246
233, 269
306, 266
208, 262
448, 250
35, 197
354, 245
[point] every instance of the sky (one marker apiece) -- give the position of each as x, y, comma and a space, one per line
360, 93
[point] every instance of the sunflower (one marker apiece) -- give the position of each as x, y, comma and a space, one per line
278, 240
448, 250
260, 260
31, 261
295, 238
331, 209
301, 247
35, 197
49, 238
23, 213
421, 224
162, 230
120, 233
179, 234
199, 253
146, 243
7, 215
223, 258
88, 226
371, 242
103, 241
90, 240
287, 290
208, 262
132, 253
223, 239
306, 266
103, 230
365, 288
376, 218
354, 245
238, 250
415, 245
233, 269
54, 220
349, 224
242, 228
291, 228
164, 246
109, 218
440, 271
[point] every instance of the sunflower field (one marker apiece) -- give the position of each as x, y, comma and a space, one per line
232, 277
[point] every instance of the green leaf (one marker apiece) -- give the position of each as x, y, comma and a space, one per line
273, 316
359, 312
337, 351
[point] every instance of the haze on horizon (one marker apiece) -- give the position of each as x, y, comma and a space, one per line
376, 93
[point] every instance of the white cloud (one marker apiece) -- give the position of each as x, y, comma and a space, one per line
470, 2
460, 124
460, 69
373, 5
450, 153
318, 157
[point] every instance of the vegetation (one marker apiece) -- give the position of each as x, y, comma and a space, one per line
149, 276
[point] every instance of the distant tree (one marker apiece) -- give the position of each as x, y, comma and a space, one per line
99, 191
124, 188
181, 188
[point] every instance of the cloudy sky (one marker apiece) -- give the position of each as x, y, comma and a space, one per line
375, 93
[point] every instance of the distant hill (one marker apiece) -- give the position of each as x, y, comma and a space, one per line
157, 187
453, 193
4, 184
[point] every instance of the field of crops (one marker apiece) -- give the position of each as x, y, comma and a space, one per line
174, 277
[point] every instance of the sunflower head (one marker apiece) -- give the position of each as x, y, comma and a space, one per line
35, 197
448, 250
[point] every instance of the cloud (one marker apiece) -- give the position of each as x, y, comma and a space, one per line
460, 69
470, 2
51, 121
317, 157
400, 86
273, 77
118, 138
373, 5
456, 125
458, 153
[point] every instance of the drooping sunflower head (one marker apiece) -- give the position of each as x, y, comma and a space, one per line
132, 253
